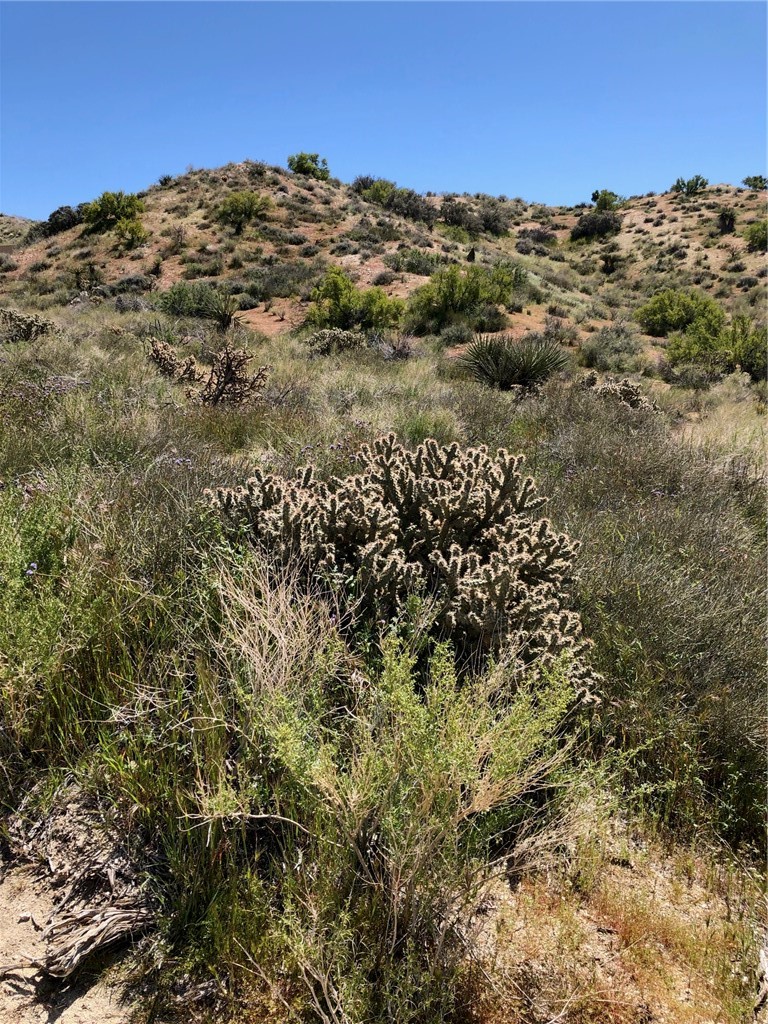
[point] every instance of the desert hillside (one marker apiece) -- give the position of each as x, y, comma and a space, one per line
382, 587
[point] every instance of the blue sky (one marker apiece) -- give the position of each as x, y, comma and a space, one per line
544, 100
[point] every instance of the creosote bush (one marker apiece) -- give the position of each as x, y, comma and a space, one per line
104, 213
672, 310
240, 208
453, 293
457, 527
337, 303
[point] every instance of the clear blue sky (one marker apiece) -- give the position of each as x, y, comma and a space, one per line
545, 100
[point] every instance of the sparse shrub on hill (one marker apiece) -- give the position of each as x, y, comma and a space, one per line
612, 348
458, 527
16, 326
104, 213
673, 310
493, 217
415, 261
63, 218
240, 208
454, 293
757, 236
726, 220
691, 186
604, 199
757, 182
460, 215
310, 165
503, 362
598, 224
337, 303
131, 232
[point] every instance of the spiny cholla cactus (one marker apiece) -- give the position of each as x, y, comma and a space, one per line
623, 391
334, 339
16, 326
458, 525
228, 380
170, 365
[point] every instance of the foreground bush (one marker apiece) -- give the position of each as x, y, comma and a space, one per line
672, 310
742, 344
502, 362
456, 527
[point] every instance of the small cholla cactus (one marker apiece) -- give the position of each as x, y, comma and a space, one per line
333, 339
16, 326
168, 363
229, 380
624, 391
459, 526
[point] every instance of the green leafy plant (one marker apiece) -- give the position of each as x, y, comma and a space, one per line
742, 343
131, 232
454, 293
309, 164
757, 236
604, 199
726, 220
241, 208
337, 303
596, 225
672, 310
503, 362
104, 213
690, 187
757, 182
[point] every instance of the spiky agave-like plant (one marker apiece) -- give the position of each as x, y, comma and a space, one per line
502, 362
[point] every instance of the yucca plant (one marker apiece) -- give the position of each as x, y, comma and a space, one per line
220, 308
502, 362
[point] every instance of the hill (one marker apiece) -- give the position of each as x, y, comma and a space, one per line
314, 705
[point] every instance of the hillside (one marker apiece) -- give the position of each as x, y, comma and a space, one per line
314, 706
665, 241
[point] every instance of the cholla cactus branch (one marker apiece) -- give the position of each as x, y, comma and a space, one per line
457, 525
16, 326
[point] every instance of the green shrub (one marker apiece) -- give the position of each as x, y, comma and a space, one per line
111, 207
131, 232
611, 349
757, 236
672, 310
457, 527
310, 165
503, 362
742, 343
240, 208
337, 303
691, 187
596, 225
453, 293
757, 182
604, 199
415, 261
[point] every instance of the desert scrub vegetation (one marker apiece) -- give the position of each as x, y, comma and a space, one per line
456, 528
503, 362
453, 294
16, 326
241, 208
104, 213
336, 303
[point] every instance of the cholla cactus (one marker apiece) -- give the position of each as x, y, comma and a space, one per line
457, 525
168, 363
623, 391
16, 326
229, 380
334, 339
